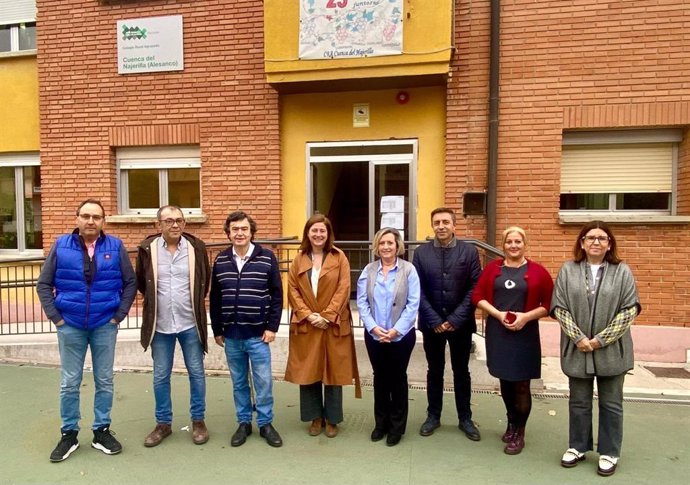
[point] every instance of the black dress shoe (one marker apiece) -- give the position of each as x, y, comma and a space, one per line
240, 436
393, 439
269, 433
378, 434
470, 430
429, 426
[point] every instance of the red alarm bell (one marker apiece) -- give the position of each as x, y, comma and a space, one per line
402, 97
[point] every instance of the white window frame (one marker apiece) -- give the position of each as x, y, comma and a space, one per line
625, 137
14, 38
158, 158
19, 161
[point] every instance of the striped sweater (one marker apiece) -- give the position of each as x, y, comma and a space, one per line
244, 304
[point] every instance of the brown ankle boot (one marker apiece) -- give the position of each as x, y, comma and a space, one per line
315, 427
331, 430
160, 432
199, 432
515, 445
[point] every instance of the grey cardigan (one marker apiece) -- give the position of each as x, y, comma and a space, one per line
616, 292
400, 286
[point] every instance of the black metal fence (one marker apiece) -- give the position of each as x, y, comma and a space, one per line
21, 312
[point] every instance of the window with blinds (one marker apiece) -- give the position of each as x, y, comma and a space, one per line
17, 25
619, 170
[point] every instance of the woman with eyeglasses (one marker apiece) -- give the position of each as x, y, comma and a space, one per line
595, 301
515, 292
388, 294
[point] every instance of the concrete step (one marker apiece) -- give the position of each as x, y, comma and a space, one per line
42, 349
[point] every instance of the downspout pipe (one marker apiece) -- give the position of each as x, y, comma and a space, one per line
492, 166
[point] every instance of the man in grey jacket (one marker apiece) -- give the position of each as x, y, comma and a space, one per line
173, 274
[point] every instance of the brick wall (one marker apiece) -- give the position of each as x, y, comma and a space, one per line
467, 112
573, 65
221, 100
564, 65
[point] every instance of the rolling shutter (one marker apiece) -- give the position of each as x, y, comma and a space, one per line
617, 168
17, 11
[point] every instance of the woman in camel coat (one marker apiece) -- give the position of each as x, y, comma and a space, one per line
322, 356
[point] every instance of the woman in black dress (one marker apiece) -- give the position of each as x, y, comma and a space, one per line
515, 292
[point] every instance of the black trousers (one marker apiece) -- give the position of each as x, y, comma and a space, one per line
460, 344
320, 401
389, 362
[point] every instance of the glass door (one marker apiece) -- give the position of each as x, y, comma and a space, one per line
363, 186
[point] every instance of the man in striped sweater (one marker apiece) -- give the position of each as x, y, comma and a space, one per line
246, 304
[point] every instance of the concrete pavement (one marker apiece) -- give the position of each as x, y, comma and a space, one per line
42, 349
655, 445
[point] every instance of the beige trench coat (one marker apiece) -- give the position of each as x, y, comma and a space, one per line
315, 354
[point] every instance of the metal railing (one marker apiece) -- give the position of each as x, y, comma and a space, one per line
21, 312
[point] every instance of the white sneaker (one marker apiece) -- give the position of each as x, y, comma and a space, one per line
607, 465
571, 458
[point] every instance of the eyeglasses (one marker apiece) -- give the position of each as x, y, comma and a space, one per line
599, 239
171, 222
86, 217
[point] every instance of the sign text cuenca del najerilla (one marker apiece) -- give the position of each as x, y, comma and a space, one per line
145, 62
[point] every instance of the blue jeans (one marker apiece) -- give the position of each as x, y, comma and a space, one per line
610, 390
239, 354
73, 343
163, 353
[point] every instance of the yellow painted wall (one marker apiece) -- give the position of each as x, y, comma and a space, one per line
319, 117
19, 124
427, 45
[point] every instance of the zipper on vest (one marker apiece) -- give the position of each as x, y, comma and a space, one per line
88, 289
88, 304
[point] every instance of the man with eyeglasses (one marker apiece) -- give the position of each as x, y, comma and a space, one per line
173, 274
246, 305
86, 287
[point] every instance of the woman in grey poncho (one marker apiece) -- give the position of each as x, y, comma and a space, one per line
595, 301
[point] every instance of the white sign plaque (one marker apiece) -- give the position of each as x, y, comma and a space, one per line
151, 44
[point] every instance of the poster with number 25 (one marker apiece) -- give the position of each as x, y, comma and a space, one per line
335, 29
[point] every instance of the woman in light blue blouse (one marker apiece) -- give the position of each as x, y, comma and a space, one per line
388, 300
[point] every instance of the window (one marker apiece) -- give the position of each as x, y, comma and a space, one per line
18, 37
20, 203
619, 171
17, 25
155, 176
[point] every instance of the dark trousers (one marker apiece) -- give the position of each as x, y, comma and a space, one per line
460, 344
389, 363
319, 401
610, 390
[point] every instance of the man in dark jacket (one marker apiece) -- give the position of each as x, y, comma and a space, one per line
173, 274
246, 305
448, 271
86, 288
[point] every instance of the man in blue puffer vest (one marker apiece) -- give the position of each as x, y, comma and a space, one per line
86, 287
